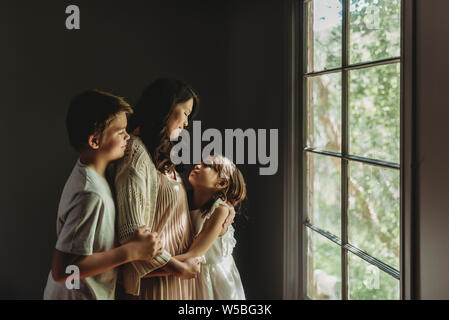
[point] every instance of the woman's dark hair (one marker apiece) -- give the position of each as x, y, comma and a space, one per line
152, 112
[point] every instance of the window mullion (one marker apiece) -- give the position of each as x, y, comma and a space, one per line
345, 147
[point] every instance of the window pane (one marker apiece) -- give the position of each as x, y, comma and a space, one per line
374, 112
324, 112
367, 282
323, 267
375, 30
325, 34
373, 222
324, 188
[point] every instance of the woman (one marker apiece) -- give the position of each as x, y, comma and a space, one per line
149, 191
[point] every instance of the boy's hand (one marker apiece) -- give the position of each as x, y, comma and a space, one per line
146, 244
192, 267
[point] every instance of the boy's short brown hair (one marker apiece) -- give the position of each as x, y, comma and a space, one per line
90, 112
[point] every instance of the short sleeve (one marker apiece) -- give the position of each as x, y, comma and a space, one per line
77, 234
215, 205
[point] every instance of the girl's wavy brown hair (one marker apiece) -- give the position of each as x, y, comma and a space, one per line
152, 112
235, 191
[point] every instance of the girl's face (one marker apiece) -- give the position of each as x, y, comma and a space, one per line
204, 175
178, 119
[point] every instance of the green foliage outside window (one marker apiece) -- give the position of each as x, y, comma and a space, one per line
374, 132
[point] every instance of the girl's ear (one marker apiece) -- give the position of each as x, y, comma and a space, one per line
93, 141
223, 183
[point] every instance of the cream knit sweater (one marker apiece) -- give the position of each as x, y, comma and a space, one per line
136, 188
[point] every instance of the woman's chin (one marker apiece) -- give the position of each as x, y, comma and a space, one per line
174, 135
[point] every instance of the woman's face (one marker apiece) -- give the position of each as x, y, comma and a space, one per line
179, 118
204, 176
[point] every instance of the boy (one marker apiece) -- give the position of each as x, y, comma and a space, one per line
96, 123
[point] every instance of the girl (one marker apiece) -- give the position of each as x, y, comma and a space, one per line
216, 183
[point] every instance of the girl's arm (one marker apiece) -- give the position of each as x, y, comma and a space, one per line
210, 232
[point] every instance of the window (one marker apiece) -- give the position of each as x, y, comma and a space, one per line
351, 155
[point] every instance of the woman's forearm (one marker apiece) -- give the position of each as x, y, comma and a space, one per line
158, 273
174, 266
185, 256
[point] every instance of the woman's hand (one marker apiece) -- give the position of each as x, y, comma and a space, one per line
191, 268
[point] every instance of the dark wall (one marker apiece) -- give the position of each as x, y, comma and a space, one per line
120, 48
433, 153
231, 52
257, 100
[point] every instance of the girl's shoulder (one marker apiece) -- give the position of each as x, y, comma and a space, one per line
217, 204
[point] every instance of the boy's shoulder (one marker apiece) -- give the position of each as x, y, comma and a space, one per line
84, 183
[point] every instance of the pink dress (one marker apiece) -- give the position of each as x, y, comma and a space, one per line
172, 219
145, 196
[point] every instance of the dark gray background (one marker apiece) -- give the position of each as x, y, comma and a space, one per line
230, 51
233, 52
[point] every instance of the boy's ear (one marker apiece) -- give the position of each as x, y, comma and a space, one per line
93, 142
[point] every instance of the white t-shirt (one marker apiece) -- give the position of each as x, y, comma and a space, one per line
85, 225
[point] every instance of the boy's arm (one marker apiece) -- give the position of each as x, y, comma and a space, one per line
88, 265
144, 246
210, 232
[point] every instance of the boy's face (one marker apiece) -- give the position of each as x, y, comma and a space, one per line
113, 143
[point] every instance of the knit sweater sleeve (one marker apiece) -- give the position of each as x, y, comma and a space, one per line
136, 192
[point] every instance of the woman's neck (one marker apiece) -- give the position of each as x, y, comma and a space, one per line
201, 197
